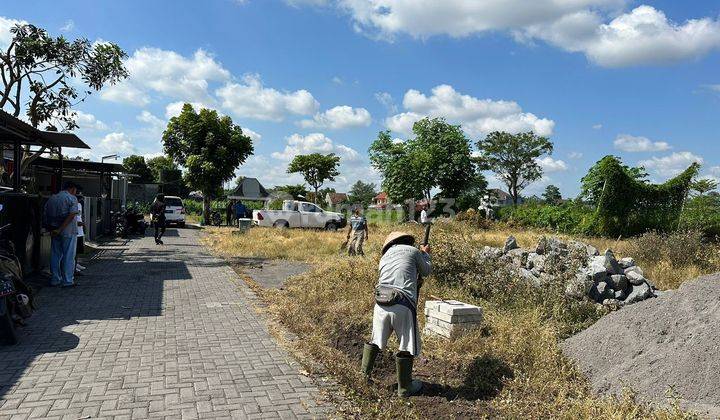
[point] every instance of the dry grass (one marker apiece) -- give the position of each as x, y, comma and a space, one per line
512, 368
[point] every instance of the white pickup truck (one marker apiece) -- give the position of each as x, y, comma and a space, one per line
299, 214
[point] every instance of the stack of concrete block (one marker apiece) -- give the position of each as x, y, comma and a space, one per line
450, 318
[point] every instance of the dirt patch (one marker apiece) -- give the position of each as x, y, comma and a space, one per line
268, 274
669, 345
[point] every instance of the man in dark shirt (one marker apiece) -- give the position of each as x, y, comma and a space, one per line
157, 212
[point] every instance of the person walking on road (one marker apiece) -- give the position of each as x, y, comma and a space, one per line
359, 232
60, 218
401, 269
157, 212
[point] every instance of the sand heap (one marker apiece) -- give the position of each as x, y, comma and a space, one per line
667, 344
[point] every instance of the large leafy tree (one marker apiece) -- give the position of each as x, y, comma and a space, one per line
210, 147
47, 76
439, 156
167, 173
513, 158
552, 194
362, 193
316, 169
474, 194
593, 183
136, 165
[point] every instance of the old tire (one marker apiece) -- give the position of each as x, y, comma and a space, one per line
7, 326
331, 226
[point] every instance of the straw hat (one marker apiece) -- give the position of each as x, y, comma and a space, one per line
393, 237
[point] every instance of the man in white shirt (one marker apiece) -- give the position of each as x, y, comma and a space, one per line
80, 234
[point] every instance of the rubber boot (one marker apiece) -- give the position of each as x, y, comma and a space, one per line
406, 385
370, 352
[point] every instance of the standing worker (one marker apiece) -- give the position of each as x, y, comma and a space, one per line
424, 218
229, 210
60, 218
240, 210
396, 297
157, 213
359, 231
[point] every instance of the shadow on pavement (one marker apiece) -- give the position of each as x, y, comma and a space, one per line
122, 281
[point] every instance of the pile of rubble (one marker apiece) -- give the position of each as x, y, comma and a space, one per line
581, 268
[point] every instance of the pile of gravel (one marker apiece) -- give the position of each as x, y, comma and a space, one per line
670, 344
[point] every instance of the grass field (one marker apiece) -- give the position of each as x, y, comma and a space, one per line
512, 367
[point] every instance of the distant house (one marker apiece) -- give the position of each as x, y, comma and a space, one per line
500, 198
333, 199
380, 200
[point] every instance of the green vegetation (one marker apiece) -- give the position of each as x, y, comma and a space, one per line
209, 147
316, 168
513, 157
136, 165
48, 76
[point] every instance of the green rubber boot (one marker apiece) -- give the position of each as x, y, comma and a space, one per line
370, 352
406, 385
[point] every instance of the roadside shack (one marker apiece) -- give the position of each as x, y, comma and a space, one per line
21, 202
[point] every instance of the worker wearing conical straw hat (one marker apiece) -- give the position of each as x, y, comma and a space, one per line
396, 297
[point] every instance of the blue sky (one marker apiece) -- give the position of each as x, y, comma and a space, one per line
636, 79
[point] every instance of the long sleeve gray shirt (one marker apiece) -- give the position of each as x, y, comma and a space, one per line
400, 266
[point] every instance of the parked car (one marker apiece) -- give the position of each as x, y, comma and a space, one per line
174, 211
299, 214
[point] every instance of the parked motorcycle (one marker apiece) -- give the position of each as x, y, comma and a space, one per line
16, 298
129, 222
216, 218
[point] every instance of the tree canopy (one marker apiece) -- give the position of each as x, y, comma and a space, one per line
552, 194
362, 193
593, 182
210, 147
513, 157
297, 191
439, 156
136, 165
43, 76
704, 186
316, 169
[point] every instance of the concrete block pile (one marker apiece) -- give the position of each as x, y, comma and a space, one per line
583, 270
450, 318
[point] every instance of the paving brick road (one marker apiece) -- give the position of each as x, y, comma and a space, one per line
151, 332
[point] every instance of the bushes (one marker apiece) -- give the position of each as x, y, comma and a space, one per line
570, 218
702, 214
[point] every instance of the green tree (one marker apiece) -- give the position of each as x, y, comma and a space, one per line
316, 168
362, 193
439, 156
297, 192
593, 182
703, 186
43, 75
473, 195
136, 165
210, 147
552, 194
160, 166
513, 157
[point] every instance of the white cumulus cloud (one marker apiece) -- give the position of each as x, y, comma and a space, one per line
153, 70
298, 144
250, 99
6, 24
552, 165
117, 142
339, 117
643, 36
671, 165
628, 143
477, 116
86, 121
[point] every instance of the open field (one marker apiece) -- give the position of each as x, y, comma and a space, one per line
513, 367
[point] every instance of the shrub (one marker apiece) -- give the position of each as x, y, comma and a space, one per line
678, 249
570, 217
702, 214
